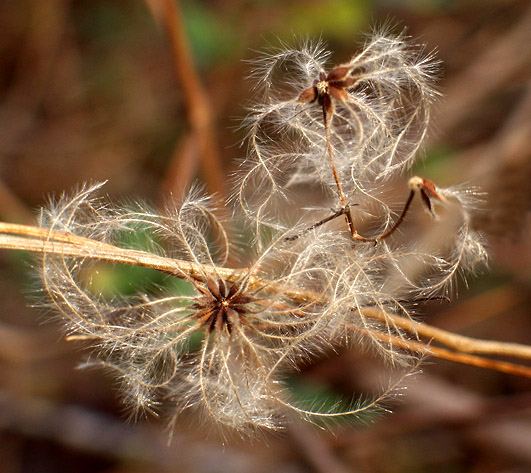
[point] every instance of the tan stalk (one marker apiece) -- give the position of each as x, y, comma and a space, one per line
342, 197
465, 358
345, 206
39, 240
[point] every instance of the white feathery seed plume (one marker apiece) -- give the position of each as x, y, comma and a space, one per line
222, 340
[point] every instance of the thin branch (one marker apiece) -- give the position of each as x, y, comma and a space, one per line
389, 232
457, 342
345, 207
472, 360
39, 240
342, 197
197, 101
183, 166
110, 253
336, 214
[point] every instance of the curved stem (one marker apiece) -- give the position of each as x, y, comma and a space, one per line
345, 207
342, 197
388, 233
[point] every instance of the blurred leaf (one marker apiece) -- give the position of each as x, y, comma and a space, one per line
138, 237
106, 23
111, 280
195, 340
332, 19
436, 164
211, 38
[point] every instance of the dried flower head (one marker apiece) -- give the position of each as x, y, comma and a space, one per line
348, 128
328, 89
220, 342
219, 339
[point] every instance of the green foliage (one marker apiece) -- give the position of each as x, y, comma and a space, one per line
112, 280
314, 396
211, 38
436, 164
333, 19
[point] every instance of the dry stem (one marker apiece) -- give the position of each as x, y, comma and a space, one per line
44, 241
345, 206
342, 198
197, 102
428, 349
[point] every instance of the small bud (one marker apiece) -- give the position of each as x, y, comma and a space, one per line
428, 193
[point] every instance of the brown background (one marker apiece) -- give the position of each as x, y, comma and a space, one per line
88, 92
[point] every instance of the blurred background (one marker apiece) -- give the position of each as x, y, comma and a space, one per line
90, 90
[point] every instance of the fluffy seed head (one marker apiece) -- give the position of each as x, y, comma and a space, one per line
218, 339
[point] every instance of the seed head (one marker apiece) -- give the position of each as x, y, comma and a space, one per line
219, 339
370, 113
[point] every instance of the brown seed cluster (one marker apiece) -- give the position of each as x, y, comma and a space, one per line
221, 307
329, 87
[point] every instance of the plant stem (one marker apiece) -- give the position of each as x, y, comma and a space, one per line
388, 233
345, 207
342, 197
198, 107
472, 360
450, 339
44, 241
